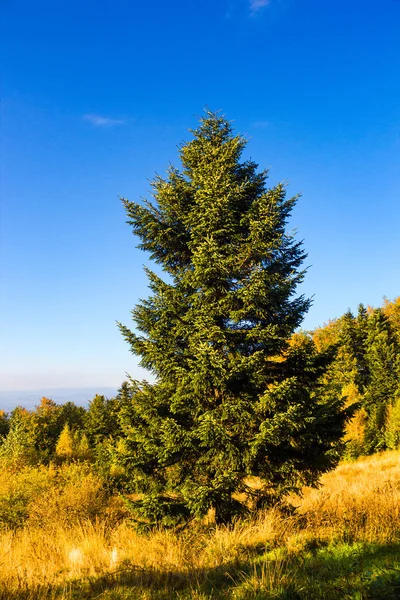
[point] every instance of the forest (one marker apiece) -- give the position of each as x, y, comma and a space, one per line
261, 462
365, 372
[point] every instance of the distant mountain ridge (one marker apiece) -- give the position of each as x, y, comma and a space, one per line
30, 398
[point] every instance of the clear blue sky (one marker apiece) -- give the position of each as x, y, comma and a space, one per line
95, 98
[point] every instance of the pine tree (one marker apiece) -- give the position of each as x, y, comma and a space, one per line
83, 450
355, 434
100, 420
373, 350
73, 415
48, 426
232, 398
17, 448
391, 310
383, 359
4, 424
354, 339
392, 425
65, 445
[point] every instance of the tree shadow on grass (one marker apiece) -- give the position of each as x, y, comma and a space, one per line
362, 571
134, 582
342, 572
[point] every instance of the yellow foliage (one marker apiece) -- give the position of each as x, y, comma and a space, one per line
65, 444
47, 405
391, 309
325, 336
351, 393
359, 501
392, 429
83, 450
355, 433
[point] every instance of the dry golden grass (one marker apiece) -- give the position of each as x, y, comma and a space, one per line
55, 556
359, 501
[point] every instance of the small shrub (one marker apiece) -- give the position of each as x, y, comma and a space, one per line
78, 495
49, 496
18, 491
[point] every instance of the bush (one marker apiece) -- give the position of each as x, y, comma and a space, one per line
78, 495
18, 491
50, 496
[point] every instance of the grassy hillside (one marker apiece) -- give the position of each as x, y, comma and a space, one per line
63, 538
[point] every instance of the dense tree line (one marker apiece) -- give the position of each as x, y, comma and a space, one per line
365, 373
57, 433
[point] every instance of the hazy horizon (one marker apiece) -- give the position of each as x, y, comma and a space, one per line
10, 399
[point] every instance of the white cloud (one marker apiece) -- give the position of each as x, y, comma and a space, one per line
257, 5
261, 124
99, 121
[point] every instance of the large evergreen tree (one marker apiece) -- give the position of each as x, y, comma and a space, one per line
232, 398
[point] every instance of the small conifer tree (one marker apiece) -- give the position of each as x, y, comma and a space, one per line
100, 420
17, 449
48, 427
83, 450
392, 429
355, 434
65, 444
232, 398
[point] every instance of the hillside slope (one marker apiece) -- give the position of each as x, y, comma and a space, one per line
342, 542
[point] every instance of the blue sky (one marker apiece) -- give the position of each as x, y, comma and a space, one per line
95, 98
